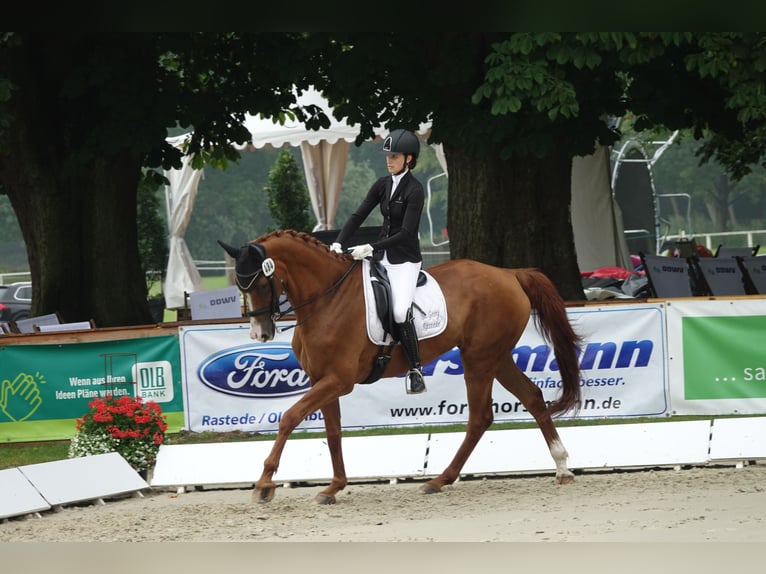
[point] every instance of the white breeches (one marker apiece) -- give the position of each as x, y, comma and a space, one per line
404, 279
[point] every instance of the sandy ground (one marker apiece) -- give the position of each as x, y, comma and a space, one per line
716, 504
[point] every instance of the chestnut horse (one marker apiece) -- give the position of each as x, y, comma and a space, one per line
488, 309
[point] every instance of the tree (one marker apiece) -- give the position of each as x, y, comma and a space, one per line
152, 234
231, 206
719, 201
288, 199
512, 110
82, 113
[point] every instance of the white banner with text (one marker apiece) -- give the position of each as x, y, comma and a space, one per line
231, 382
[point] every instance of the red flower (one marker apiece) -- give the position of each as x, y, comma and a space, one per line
138, 428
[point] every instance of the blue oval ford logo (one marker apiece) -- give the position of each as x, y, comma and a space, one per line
255, 371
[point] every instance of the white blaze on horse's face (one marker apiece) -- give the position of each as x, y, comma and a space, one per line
258, 331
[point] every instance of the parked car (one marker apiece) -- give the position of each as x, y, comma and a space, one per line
15, 301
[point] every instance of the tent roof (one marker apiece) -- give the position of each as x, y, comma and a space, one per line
267, 133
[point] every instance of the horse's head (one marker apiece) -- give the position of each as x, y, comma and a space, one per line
255, 278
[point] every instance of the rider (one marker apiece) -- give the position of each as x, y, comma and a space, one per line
400, 197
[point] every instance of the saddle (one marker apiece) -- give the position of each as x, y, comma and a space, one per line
381, 289
429, 305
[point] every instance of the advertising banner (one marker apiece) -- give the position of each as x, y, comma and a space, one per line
716, 356
44, 388
233, 383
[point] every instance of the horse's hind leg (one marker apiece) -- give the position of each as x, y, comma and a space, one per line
516, 382
331, 414
479, 394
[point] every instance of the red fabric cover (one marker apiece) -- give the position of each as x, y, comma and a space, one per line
612, 272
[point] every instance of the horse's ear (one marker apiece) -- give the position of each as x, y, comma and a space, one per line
233, 251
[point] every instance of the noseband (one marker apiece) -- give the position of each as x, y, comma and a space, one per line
246, 282
267, 268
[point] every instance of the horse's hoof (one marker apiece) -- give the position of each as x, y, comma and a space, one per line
565, 478
324, 498
263, 494
428, 488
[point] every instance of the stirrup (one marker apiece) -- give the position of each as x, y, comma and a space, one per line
415, 383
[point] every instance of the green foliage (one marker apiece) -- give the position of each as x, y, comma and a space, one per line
230, 205
152, 230
289, 200
490, 96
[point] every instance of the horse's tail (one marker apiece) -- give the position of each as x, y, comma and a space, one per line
552, 322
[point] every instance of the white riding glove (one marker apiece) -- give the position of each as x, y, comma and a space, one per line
361, 251
336, 248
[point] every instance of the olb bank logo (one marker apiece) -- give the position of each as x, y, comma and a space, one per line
154, 381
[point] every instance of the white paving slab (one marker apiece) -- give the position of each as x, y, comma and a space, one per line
512, 450
84, 478
209, 463
636, 445
303, 460
17, 495
738, 439
381, 457
589, 447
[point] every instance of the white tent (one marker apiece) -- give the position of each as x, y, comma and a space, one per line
599, 240
596, 217
182, 275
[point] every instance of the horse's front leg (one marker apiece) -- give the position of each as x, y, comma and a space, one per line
291, 418
331, 414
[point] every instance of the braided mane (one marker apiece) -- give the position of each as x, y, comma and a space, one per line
298, 235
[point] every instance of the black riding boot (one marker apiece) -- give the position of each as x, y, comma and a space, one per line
409, 340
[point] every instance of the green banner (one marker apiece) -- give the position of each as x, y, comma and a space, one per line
44, 388
724, 357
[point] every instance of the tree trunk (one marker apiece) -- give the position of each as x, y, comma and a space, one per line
74, 232
525, 215
72, 179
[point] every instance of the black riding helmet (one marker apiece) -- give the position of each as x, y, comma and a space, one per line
404, 142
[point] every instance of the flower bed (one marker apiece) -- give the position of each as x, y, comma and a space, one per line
126, 425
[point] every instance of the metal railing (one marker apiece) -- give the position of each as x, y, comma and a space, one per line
749, 238
6, 278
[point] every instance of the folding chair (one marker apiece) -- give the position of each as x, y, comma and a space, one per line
720, 276
667, 276
724, 251
754, 273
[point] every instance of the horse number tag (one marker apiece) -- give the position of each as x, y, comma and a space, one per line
268, 267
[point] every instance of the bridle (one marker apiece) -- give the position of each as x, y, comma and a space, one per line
274, 308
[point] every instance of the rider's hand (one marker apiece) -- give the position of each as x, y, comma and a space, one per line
336, 248
361, 251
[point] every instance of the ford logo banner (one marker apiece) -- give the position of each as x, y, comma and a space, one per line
255, 371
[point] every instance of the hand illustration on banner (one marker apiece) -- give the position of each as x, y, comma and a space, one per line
20, 398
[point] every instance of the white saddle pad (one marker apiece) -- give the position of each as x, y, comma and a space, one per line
429, 309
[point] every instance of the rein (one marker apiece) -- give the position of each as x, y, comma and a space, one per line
274, 308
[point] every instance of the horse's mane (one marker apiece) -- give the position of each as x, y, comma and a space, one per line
297, 235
